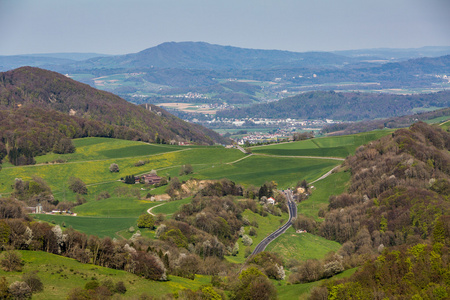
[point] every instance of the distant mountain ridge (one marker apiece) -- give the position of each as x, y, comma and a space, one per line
201, 55
9, 62
49, 90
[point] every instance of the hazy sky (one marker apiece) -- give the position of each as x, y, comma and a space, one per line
126, 26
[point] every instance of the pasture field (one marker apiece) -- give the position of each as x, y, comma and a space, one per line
169, 208
257, 170
302, 291
106, 148
335, 184
302, 246
96, 170
99, 226
61, 274
331, 146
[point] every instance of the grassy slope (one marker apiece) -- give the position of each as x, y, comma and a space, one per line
333, 146
94, 156
60, 274
256, 170
445, 125
334, 184
302, 246
99, 226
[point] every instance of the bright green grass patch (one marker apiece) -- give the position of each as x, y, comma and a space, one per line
106, 148
169, 208
332, 146
256, 170
266, 225
334, 184
438, 120
301, 291
302, 246
115, 207
60, 275
98, 226
445, 125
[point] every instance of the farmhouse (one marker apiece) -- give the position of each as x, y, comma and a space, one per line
271, 201
150, 178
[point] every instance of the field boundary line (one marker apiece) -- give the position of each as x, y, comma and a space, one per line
242, 158
325, 175
293, 156
150, 209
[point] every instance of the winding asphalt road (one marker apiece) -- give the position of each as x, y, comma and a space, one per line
292, 214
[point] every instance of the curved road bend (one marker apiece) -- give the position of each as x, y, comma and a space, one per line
292, 214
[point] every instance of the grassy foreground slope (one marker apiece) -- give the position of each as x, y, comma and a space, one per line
332, 146
61, 274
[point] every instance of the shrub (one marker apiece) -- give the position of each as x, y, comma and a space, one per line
246, 240
33, 281
120, 287
77, 185
186, 169
91, 285
20, 290
11, 261
146, 221
103, 195
64, 146
114, 168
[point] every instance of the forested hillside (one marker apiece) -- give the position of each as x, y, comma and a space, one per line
340, 106
398, 199
40, 107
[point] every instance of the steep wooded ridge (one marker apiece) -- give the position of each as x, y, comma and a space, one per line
398, 198
34, 97
352, 106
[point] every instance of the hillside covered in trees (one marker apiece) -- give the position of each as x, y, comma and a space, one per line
340, 106
40, 108
397, 205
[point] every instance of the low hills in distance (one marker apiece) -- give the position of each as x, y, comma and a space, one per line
352, 106
56, 107
200, 73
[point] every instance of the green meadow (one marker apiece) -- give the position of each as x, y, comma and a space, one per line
334, 184
331, 146
445, 125
93, 157
170, 207
61, 274
255, 170
302, 246
99, 226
